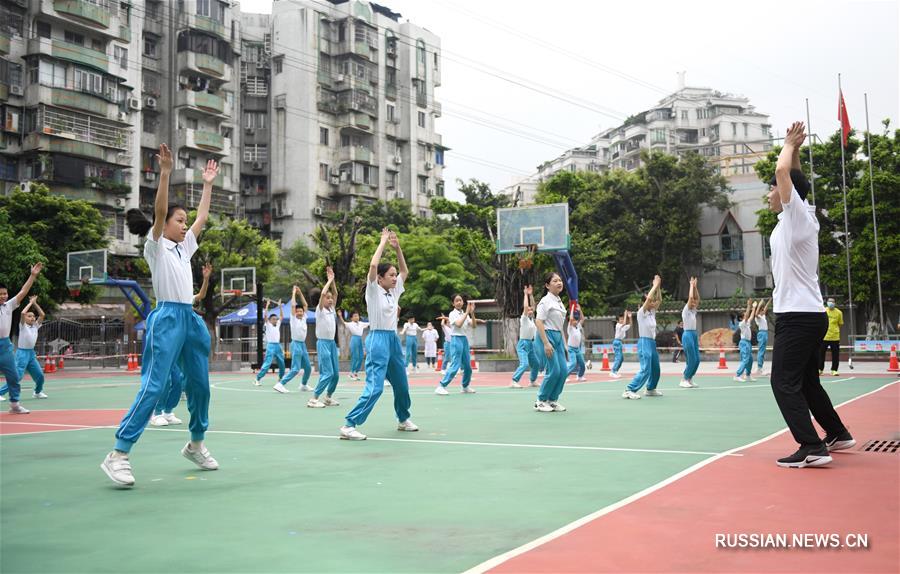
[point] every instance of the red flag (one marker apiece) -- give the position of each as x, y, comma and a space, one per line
842, 117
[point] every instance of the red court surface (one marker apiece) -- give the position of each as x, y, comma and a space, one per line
674, 528
48, 421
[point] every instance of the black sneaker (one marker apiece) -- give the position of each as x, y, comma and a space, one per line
806, 456
840, 442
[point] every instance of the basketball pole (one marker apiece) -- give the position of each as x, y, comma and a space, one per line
259, 324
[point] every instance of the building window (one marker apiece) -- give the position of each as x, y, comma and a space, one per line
43, 29
256, 152
731, 243
734, 128
765, 129
121, 56
278, 64
684, 114
767, 248
257, 86
323, 136
73, 38
53, 74
8, 169
423, 185
150, 47
323, 171
211, 9
390, 179
391, 112
439, 156
421, 119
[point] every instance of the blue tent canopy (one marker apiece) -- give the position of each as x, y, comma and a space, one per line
246, 315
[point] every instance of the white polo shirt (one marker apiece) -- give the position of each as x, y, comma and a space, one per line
273, 332
6, 311
646, 321
448, 332
382, 305
762, 323
298, 328
575, 336
28, 335
356, 328
689, 317
552, 312
461, 331
170, 267
527, 329
745, 330
621, 329
411, 330
795, 257
326, 323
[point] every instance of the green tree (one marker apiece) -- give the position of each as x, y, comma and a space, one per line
57, 225
20, 252
829, 201
290, 270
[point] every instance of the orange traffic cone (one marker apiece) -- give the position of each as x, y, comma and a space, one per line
47, 364
52, 364
440, 360
893, 366
131, 363
473, 364
605, 366
62, 363
722, 364
228, 356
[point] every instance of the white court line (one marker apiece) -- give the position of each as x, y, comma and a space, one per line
454, 442
68, 428
498, 560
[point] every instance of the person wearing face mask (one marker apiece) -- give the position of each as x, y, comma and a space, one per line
832, 338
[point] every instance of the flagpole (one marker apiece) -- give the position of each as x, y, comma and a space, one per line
843, 117
812, 172
874, 219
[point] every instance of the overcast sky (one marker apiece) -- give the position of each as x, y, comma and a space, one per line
522, 80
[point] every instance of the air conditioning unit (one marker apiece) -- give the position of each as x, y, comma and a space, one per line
15, 90
398, 160
183, 153
122, 117
134, 103
345, 176
399, 195
318, 211
249, 131
428, 165
759, 282
257, 165
430, 193
149, 176
334, 179
340, 78
150, 103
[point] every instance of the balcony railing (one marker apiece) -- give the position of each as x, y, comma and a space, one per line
96, 12
81, 127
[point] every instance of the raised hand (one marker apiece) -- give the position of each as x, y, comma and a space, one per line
385, 235
36, 269
32, 299
164, 157
329, 273
207, 270
528, 290
657, 280
211, 172
796, 134
394, 240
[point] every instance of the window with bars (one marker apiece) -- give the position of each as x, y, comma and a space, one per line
151, 46
82, 127
121, 56
731, 243
257, 86
256, 120
256, 152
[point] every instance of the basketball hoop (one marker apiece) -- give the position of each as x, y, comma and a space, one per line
235, 293
75, 288
526, 260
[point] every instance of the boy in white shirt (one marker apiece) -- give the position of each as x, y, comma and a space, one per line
274, 352
299, 354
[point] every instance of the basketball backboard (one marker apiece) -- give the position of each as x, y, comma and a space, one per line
86, 267
236, 280
546, 226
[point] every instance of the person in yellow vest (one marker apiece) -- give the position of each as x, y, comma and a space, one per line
832, 338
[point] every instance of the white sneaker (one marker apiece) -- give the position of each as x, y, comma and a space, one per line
118, 469
40, 395
582, 380
543, 407
158, 421
350, 433
305, 388
279, 388
630, 395
557, 408
387, 383
685, 384
468, 390
330, 402
515, 385
753, 379
256, 382
441, 390
740, 379
589, 365
17, 409
407, 426
534, 384
615, 375
2, 398
201, 458
171, 419
315, 403
652, 393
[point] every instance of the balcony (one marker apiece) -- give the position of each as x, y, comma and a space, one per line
90, 13
356, 121
356, 153
437, 109
72, 99
204, 64
203, 101
70, 52
351, 188
190, 175
204, 24
80, 134
204, 140
153, 26
4, 42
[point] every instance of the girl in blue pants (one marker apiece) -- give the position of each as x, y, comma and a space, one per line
26, 359
274, 352
299, 354
622, 325
411, 331
460, 323
551, 318
326, 348
174, 332
384, 357
745, 346
525, 348
647, 355
762, 335
356, 329
575, 342
689, 340
7, 356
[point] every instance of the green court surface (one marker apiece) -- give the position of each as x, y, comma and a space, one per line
484, 475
